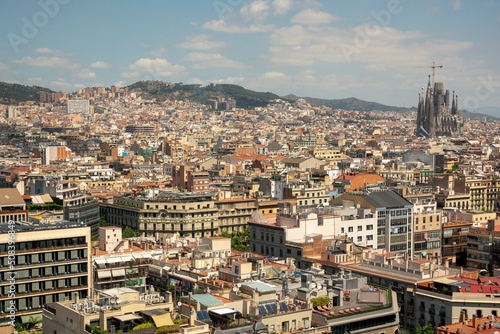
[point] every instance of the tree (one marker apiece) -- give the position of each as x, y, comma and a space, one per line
103, 222
129, 233
427, 329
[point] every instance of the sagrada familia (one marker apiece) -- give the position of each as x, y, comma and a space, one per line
434, 116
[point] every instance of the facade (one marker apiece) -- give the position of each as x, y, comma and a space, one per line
450, 300
394, 218
12, 206
434, 115
427, 226
234, 214
82, 209
480, 242
52, 262
189, 215
454, 242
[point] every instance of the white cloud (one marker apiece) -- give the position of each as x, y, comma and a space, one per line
54, 52
3, 66
100, 64
155, 67
282, 6
372, 45
51, 62
456, 4
161, 52
223, 26
207, 60
200, 42
311, 17
130, 75
45, 50
375, 67
84, 73
119, 83
275, 75
64, 85
255, 10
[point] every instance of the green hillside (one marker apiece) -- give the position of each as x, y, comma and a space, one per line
11, 93
159, 90
350, 103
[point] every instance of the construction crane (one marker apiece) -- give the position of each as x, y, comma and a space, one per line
434, 66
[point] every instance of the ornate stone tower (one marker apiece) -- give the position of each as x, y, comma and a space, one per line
434, 116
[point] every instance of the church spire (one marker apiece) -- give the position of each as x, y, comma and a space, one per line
453, 111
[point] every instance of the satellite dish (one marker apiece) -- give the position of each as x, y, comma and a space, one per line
179, 304
313, 285
319, 286
238, 285
118, 300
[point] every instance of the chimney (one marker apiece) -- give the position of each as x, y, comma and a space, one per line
462, 317
475, 321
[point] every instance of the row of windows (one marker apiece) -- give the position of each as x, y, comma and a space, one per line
35, 302
359, 228
46, 243
46, 285
46, 271
23, 259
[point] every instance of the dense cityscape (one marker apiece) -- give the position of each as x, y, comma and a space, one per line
149, 205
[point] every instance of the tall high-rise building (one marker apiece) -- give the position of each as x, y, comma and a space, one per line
434, 116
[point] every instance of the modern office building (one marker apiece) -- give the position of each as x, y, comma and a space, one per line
52, 261
394, 217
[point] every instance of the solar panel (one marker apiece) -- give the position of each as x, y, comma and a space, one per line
199, 316
283, 307
205, 314
269, 308
262, 310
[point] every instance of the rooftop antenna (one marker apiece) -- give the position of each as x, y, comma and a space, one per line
434, 66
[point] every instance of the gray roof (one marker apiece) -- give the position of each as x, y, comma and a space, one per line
207, 300
387, 199
260, 286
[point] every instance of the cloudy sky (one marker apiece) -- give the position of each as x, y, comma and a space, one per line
327, 49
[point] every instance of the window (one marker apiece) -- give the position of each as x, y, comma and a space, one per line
342, 230
351, 229
360, 228
369, 237
369, 227
360, 238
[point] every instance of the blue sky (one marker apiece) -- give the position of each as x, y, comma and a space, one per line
326, 49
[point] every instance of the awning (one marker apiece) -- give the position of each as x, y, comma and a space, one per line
182, 277
127, 317
118, 273
127, 258
100, 261
114, 259
104, 274
162, 320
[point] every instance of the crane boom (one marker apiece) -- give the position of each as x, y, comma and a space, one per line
434, 66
